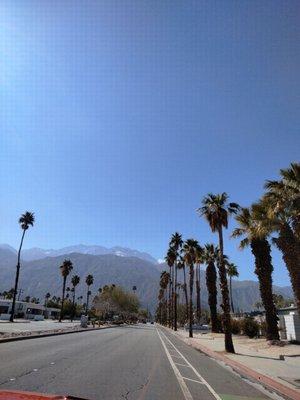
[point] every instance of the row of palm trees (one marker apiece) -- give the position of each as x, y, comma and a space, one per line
26, 220
65, 270
277, 212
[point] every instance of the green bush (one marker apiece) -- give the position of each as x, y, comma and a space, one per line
235, 326
250, 327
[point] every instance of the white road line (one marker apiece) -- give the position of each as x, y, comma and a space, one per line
185, 390
193, 380
182, 365
195, 371
173, 355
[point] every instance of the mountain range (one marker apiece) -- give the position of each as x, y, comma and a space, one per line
36, 253
125, 267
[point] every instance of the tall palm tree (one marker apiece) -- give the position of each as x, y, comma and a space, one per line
89, 280
176, 244
232, 271
189, 250
65, 270
282, 201
181, 265
163, 284
216, 209
75, 281
25, 221
47, 297
170, 260
198, 262
254, 235
210, 256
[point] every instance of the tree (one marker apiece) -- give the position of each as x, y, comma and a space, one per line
181, 265
163, 284
75, 281
282, 202
216, 209
189, 250
65, 270
47, 297
89, 280
170, 260
232, 271
198, 262
253, 233
25, 221
176, 245
210, 255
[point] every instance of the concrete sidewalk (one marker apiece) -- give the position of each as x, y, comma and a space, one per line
269, 364
23, 325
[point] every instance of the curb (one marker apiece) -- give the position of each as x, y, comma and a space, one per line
17, 338
247, 372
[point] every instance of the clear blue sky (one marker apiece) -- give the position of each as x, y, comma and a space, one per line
118, 116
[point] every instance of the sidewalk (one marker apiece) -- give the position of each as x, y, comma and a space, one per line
272, 365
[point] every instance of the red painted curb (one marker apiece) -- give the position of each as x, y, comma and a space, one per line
246, 371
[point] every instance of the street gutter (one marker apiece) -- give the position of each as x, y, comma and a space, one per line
51, 333
269, 383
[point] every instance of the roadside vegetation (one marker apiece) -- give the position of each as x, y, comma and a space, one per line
273, 220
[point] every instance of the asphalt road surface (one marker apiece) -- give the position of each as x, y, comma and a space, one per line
139, 362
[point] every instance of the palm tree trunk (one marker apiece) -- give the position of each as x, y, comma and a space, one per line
211, 284
230, 290
185, 294
63, 299
263, 268
73, 305
225, 297
175, 297
16, 279
198, 298
289, 246
191, 316
170, 299
87, 301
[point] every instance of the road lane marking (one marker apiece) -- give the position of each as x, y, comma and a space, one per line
194, 370
183, 365
185, 390
193, 380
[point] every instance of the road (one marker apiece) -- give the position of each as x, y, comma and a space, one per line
139, 362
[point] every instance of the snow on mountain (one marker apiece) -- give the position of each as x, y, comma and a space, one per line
37, 253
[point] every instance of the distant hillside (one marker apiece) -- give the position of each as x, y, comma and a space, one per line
41, 276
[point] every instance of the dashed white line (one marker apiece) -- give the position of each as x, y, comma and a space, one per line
193, 380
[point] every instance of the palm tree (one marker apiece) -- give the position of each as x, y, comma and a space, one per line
176, 244
232, 271
282, 202
89, 280
75, 281
163, 284
26, 220
189, 249
181, 265
254, 235
198, 262
210, 256
170, 260
65, 270
47, 297
216, 209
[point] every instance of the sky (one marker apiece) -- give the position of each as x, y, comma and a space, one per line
117, 117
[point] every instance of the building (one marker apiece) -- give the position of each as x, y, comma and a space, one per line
26, 310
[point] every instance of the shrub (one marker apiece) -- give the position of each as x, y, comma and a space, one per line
235, 326
250, 327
